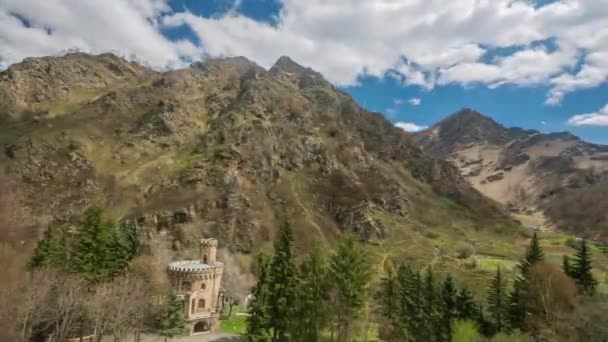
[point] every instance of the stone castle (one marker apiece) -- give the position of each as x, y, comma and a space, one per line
198, 284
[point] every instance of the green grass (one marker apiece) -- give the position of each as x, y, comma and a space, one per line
234, 324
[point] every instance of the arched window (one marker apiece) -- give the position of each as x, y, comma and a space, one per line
201, 304
186, 286
203, 286
204, 259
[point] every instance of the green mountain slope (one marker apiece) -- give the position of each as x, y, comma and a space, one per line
227, 148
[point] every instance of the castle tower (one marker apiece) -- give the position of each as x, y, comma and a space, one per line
208, 251
198, 284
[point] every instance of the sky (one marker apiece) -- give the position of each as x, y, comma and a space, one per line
540, 64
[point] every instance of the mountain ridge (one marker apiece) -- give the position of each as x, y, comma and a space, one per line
538, 175
226, 148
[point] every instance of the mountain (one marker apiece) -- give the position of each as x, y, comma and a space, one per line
546, 179
225, 148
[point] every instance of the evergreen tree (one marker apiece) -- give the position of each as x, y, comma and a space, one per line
497, 304
283, 284
389, 302
350, 279
171, 322
258, 319
99, 252
448, 308
90, 249
581, 269
466, 307
117, 257
312, 292
518, 310
534, 253
49, 251
566, 266
132, 239
407, 317
430, 307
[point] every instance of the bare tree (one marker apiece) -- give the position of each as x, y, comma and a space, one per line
63, 311
118, 308
236, 284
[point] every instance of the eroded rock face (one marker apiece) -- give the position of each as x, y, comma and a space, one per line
529, 171
224, 148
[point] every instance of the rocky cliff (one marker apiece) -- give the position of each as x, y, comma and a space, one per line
554, 180
224, 148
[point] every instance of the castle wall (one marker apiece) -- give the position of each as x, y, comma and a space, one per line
199, 284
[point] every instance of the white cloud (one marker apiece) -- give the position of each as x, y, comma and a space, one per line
409, 126
414, 101
129, 27
599, 118
398, 102
417, 42
390, 111
544, 123
424, 42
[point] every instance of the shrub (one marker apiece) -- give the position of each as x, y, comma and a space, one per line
464, 250
465, 331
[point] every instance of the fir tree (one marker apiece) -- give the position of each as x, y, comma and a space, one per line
448, 308
311, 303
389, 302
171, 322
282, 286
466, 306
518, 310
350, 279
430, 307
258, 319
406, 318
581, 269
90, 249
497, 304
132, 239
117, 257
49, 251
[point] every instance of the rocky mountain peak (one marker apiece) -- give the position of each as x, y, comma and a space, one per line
286, 64
224, 144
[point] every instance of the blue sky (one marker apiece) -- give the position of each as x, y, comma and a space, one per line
539, 64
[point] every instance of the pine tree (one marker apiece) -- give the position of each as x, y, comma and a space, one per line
49, 251
430, 307
407, 313
311, 303
389, 302
448, 308
497, 304
517, 307
581, 269
132, 239
350, 279
566, 266
258, 319
117, 256
171, 322
89, 252
535, 253
282, 286
466, 306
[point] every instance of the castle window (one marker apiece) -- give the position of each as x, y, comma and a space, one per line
203, 286
201, 304
204, 259
186, 286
